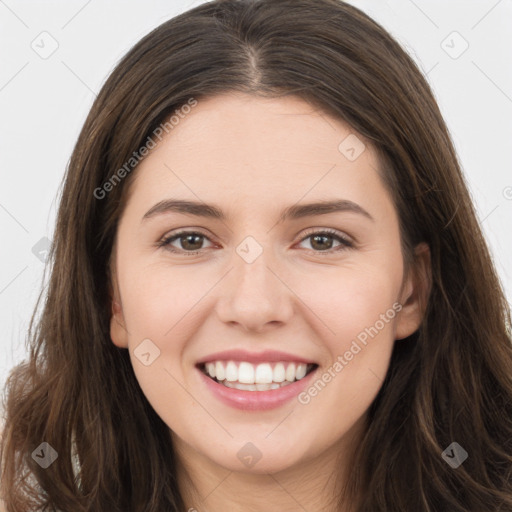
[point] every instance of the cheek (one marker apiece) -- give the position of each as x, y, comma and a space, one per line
159, 305
358, 306
156, 298
349, 300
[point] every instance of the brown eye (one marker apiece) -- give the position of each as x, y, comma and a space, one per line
323, 241
189, 242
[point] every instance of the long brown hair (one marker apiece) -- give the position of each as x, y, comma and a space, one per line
451, 381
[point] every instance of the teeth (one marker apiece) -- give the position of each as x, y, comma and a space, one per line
219, 371
263, 374
231, 371
279, 373
290, 372
237, 385
300, 371
255, 387
259, 377
246, 373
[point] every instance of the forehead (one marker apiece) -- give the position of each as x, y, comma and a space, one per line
248, 148
255, 128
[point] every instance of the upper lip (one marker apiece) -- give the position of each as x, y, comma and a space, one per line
253, 357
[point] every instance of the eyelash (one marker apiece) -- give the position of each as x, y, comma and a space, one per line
345, 243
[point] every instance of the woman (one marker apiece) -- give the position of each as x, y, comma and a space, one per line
269, 288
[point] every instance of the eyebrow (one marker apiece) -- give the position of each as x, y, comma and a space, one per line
296, 211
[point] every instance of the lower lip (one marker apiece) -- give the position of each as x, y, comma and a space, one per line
256, 400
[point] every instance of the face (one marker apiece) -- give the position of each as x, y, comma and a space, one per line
259, 288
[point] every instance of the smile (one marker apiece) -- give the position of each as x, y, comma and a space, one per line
256, 377
255, 381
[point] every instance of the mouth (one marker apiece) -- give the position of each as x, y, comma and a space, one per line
264, 376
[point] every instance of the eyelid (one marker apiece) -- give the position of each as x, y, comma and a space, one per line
346, 241
166, 240
330, 231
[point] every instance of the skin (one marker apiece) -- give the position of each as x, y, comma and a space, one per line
253, 157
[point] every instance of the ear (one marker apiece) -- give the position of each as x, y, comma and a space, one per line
118, 331
415, 293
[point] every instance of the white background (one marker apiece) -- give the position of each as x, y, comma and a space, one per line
44, 101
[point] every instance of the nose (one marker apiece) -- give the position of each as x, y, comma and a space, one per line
254, 296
